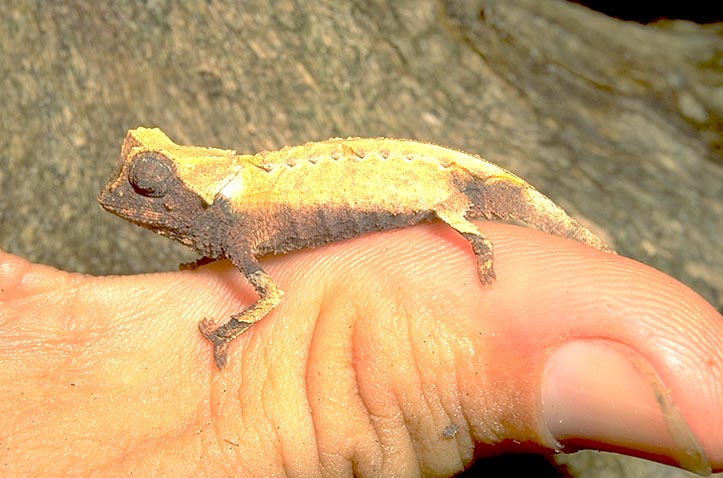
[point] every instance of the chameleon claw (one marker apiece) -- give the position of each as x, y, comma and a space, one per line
485, 268
207, 327
487, 275
219, 355
221, 336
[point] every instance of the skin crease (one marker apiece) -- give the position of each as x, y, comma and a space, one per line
379, 345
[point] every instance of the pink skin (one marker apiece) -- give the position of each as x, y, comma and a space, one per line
386, 355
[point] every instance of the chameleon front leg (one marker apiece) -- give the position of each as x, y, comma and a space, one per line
481, 246
269, 298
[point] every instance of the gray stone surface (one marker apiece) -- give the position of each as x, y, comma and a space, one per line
618, 122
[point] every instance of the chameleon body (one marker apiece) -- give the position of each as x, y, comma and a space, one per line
242, 207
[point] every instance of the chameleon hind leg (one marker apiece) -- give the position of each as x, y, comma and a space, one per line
269, 298
481, 246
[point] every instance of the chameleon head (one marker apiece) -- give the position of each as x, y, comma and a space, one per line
165, 187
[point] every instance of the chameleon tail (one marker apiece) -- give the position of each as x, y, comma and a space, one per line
508, 197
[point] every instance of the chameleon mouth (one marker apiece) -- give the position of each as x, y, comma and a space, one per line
114, 202
128, 206
105, 199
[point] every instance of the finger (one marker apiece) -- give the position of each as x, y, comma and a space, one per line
588, 349
369, 326
632, 358
94, 371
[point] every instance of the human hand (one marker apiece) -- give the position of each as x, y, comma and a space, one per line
385, 357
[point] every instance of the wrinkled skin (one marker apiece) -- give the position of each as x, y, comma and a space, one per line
385, 357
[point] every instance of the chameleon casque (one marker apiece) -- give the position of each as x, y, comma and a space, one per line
242, 207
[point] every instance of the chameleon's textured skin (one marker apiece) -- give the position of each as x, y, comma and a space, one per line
241, 207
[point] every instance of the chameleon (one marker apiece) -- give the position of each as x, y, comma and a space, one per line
244, 206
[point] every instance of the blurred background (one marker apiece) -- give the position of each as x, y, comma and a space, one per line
618, 118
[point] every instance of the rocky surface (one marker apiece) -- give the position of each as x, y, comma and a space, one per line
621, 123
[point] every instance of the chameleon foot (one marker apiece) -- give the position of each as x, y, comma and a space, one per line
221, 336
486, 274
483, 250
208, 329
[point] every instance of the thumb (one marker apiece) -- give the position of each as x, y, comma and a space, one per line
413, 365
602, 351
571, 348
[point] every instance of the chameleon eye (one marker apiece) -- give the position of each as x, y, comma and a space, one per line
149, 175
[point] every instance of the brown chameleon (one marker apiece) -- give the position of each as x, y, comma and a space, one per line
242, 207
